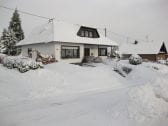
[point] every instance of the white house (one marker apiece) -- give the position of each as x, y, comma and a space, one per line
67, 42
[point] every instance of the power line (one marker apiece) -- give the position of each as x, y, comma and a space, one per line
107, 30
121, 35
35, 15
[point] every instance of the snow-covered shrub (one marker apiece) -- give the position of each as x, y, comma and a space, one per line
135, 59
97, 60
88, 59
23, 64
92, 59
9, 62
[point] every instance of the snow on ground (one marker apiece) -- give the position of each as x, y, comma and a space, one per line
71, 95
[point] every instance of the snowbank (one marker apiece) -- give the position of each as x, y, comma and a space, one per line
149, 101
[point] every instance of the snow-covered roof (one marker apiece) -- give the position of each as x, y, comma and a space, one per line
62, 32
140, 48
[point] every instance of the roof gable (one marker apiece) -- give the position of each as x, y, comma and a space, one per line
163, 48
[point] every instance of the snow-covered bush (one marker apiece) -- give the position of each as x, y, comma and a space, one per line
23, 64
92, 59
97, 60
135, 59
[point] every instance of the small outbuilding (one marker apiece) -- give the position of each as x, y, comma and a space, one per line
67, 42
152, 51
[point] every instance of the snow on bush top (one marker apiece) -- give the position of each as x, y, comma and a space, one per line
23, 64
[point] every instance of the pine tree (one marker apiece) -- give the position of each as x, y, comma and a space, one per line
2, 39
8, 42
15, 26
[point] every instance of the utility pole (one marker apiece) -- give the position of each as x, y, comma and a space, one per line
105, 32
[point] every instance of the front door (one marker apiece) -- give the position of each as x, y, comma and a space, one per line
87, 51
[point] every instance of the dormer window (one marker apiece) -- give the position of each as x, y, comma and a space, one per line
88, 32
82, 33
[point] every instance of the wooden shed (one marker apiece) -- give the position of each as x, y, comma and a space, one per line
152, 51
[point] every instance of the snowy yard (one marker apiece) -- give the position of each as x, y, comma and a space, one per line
71, 95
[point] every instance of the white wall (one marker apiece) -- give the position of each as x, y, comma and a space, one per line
44, 48
55, 50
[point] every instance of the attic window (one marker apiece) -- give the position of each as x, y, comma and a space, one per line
88, 32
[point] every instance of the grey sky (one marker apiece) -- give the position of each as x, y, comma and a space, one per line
135, 18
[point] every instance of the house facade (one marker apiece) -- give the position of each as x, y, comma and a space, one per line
152, 51
68, 43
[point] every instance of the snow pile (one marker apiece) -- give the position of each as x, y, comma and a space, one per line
23, 64
122, 68
149, 101
135, 59
161, 89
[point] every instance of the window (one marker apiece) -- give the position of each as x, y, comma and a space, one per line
82, 33
90, 34
29, 52
102, 51
86, 34
70, 52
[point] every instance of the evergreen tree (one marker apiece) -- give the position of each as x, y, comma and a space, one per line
8, 42
2, 39
15, 26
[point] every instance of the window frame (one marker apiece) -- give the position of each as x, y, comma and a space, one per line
100, 53
29, 52
75, 56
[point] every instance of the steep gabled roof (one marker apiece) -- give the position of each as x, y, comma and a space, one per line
141, 48
62, 32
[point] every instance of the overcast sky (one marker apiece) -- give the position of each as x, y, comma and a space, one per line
134, 18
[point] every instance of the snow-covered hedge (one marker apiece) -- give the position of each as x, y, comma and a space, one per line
23, 64
135, 59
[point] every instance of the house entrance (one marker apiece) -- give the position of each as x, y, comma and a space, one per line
87, 51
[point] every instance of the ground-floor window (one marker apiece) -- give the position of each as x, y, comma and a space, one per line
70, 52
29, 52
102, 51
